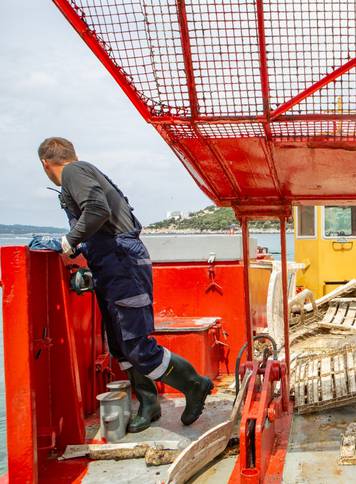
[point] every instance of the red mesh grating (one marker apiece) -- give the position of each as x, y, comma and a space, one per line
238, 130
143, 39
226, 82
338, 97
306, 40
181, 131
298, 130
212, 60
225, 57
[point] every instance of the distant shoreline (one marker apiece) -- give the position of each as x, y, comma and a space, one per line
207, 232
29, 234
151, 232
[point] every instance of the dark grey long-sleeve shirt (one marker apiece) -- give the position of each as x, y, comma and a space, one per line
94, 202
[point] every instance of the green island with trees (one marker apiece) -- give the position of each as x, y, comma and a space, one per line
209, 219
212, 219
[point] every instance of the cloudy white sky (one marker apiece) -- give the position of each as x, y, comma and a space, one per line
52, 85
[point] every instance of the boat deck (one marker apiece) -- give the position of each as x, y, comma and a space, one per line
314, 448
312, 457
168, 427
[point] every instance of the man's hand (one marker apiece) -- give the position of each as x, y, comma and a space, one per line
67, 249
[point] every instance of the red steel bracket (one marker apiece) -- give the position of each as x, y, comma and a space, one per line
103, 364
213, 286
265, 424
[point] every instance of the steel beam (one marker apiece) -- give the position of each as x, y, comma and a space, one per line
263, 59
283, 108
187, 55
246, 260
285, 291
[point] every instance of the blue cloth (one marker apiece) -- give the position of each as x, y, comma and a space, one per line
41, 242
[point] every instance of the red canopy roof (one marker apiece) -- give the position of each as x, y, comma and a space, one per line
256, 97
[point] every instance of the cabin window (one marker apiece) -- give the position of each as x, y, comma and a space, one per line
306, 221
340, 222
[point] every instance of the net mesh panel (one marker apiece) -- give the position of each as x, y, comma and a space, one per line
225, 56
338, 130
305, 41
143, 39
238, 130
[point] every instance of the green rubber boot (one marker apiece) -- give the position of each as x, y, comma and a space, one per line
149, 409
181, 375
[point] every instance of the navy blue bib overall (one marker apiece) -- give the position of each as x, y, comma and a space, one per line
122, 275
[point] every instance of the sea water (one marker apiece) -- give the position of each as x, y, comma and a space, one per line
271, 241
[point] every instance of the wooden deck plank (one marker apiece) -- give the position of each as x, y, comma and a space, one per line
301, 384
340, 313
340, 376
350, 316
295, 377
350, 360
309, 379
209, 445
326, 382
344, 317
316, 380
345, 299
330, 313
341, 327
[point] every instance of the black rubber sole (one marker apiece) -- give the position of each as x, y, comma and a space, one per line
206, 392
135, 430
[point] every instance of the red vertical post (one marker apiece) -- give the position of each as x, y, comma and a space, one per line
93, 403
263, 58
18, 359
246, 259
285, 289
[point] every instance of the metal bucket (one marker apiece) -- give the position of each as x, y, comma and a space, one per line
114, 415
123, 386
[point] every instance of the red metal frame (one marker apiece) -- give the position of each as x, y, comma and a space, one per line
250, 160
283, 108
246, 259
184, 31
263, 67
262, 437
56, 363
48, 360
285, 291
18, 360
266, 419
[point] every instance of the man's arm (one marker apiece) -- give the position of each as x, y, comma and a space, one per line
86, 191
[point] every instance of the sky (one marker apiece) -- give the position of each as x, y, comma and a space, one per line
52, 85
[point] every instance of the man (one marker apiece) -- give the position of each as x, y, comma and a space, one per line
101, 218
